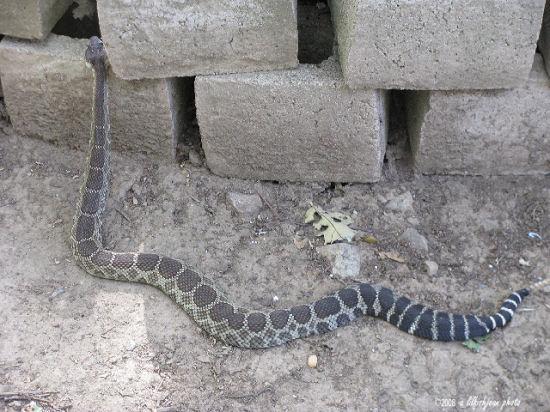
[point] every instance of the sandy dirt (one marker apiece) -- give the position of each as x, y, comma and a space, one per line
75, 342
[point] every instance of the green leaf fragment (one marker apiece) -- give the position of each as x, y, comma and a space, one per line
474, 344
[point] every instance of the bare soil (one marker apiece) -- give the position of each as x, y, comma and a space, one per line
69, 341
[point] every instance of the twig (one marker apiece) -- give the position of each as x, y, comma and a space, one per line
250, 395
123, 214
19, 396
268, 204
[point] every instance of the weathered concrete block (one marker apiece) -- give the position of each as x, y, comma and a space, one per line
296, 125
48, 93
30, 19
489, 132
189, 37
544, 39
436, 44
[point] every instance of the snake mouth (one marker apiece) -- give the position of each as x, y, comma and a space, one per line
95, 52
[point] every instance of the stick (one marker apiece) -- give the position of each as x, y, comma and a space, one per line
250, 395
19, 396
268, 204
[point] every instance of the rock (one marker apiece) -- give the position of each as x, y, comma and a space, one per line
312, 361
344, 258
243, 204
402, 203
415, 239
510, 363
195, 158
431, 267
491, 225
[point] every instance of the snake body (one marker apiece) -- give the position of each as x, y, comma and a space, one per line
207, 306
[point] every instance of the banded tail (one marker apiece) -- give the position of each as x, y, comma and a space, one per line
428, 323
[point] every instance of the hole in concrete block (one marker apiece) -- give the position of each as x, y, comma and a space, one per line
188, 146
79, 21
315, 33
397, 128
397, 159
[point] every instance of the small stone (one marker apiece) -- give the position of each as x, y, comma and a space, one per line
344, 259
203, 359
194, 158
431, 267
131, 346
57, 293
402, 203
491, 225
510, 363
243, 204
312, 361
415, 239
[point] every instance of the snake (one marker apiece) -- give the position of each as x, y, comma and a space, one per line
207, 306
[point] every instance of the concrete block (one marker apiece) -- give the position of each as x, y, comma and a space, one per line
436, 44
185, 38
48, 93
488, 132
544, 39
30, 19
294, 125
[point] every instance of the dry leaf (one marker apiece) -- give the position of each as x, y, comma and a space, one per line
391, 255
336, 224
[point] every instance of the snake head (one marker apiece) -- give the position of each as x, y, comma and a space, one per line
95, 52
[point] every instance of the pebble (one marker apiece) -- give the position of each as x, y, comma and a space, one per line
491, 225
510, 363
312, 361
243, 204
402, 203
195, 158
57, 293
431, 267
130, 346
344, 259
415, 239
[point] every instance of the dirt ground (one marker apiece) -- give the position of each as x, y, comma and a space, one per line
75, 342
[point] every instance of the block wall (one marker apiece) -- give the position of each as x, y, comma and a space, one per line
293, 90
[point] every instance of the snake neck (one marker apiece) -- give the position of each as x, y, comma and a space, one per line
96, 177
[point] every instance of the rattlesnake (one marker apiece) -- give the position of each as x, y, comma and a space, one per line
208, 307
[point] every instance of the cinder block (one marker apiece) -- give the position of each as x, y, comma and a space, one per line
185, 38
489, 132
48, 94
293, 125
436, 44
30, 19
544, 40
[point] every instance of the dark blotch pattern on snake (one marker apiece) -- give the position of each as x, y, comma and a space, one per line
207, 306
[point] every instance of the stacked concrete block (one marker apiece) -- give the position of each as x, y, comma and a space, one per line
30, 19
185, 38
48, 94
436, 44
494, 132
544, 40
295, 125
